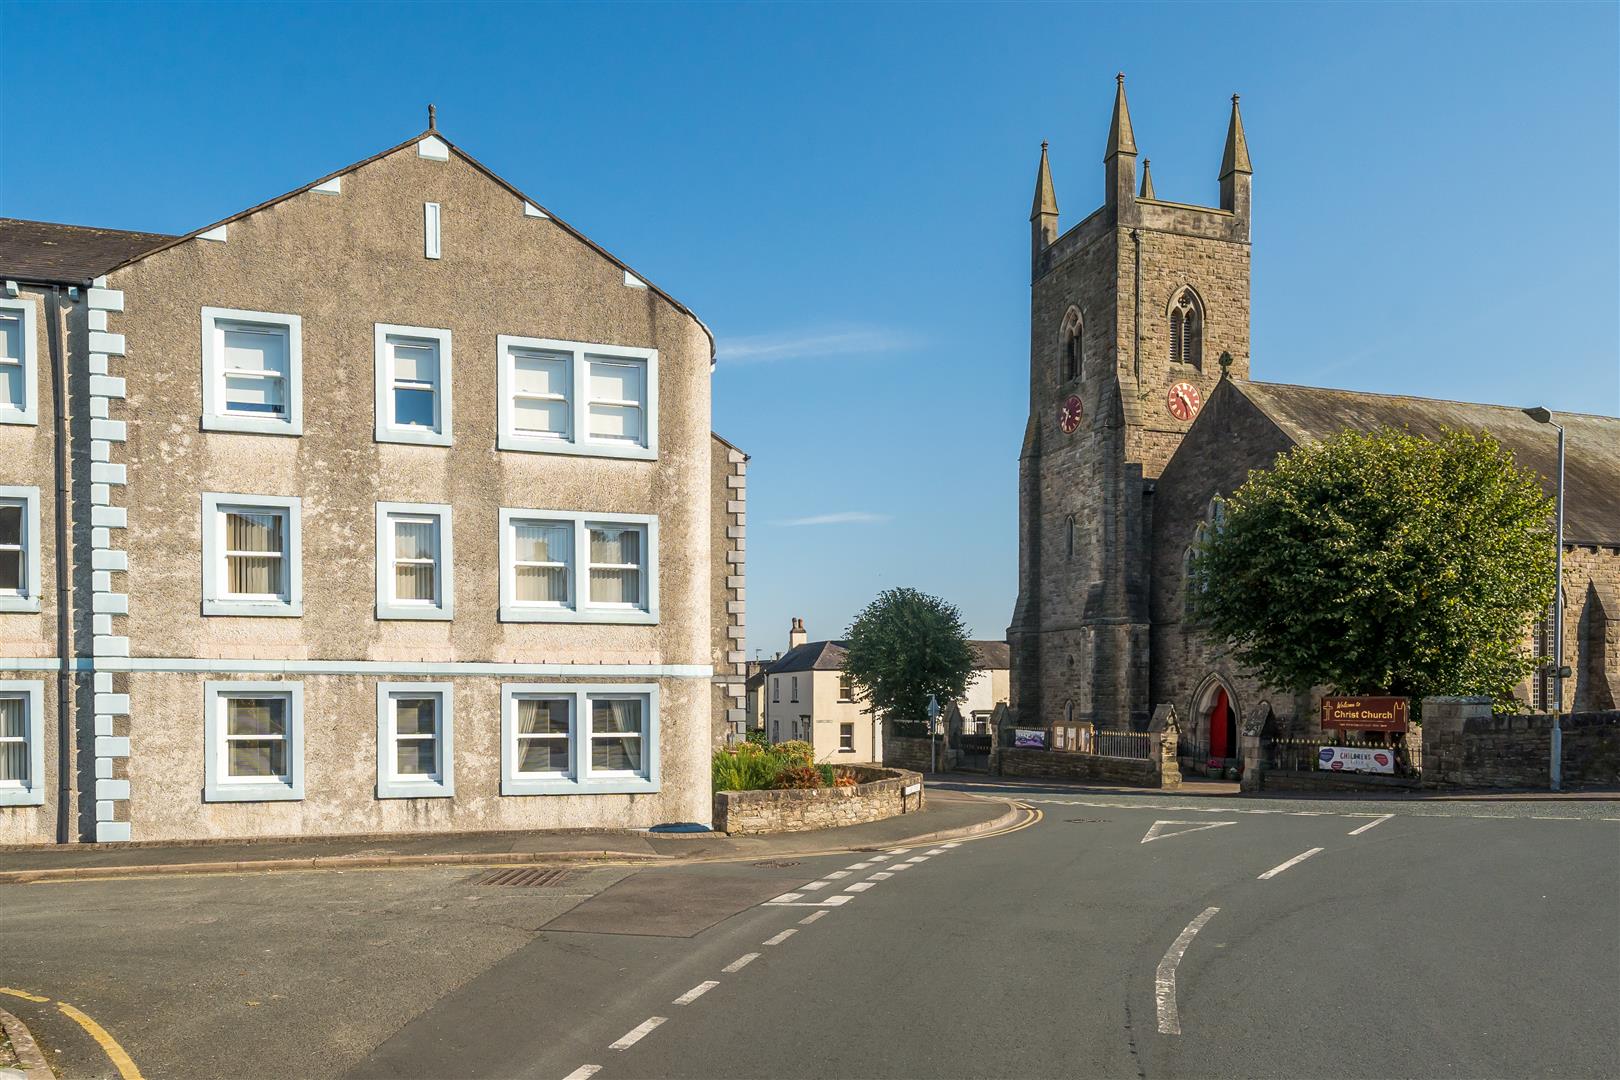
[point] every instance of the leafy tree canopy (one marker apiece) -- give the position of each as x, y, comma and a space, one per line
1382, 562
904, 647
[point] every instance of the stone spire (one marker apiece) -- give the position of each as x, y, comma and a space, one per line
1147, 180
1121, 139
1043, 216
1237, 175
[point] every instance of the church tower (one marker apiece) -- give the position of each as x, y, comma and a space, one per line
1130, 313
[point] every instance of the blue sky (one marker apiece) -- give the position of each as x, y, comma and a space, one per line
842, 193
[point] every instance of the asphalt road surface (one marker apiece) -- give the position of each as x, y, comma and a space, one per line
1118, 936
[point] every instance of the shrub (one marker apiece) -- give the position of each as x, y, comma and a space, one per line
795, 752
756, 737
798, 777
748, 768
828, 777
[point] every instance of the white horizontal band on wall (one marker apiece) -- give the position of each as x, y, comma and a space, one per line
182, 665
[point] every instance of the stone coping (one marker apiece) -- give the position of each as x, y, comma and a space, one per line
878, 793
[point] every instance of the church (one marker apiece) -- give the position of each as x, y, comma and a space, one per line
1142, 418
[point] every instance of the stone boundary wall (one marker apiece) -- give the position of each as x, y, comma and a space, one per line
878, 793
1062, 765
1326, 780
1466, 745
906, 753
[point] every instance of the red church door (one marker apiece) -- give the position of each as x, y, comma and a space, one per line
1220, 727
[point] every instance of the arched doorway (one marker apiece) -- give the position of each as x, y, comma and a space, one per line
1213, 735
1222, 726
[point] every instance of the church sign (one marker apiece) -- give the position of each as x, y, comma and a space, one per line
1365, 713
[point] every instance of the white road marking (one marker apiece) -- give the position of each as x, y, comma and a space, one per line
787, 898
814, 885
696, 992
812, 917
860, 886
783, 936
639, 1032
1164, 980
831, 901
877, 858
899, 850
881, 875
900, 866
917, 859
1371, 824
936, 851
859, 866
584, 1072
953, 843
741, 962
836, 874
1297, 859
1157, 830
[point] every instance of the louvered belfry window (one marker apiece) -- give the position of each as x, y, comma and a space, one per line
1187, 330
1073, 347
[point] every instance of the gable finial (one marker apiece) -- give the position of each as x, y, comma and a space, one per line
1226, 365
1121, 139
433, 117
1147, 179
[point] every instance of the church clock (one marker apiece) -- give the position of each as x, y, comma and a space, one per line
1069, 414
1183, 401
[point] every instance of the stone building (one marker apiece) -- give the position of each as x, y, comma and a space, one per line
1136, 428
389, 504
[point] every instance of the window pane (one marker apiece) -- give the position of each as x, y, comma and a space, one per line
542, 585
416, 757
414, 539
616, 586
10, 523
255, 716
11, 571
13, 718
416, 716
14, 762
252, 531
413, 408
253, 394
616, 422
543, 755
253, 575
540, 373
616, 546
11, 386
533, 414
616, 753
615, 381
255, 350
414, 581
11, 336
416, 363
615, 715
257, 758
542, 716
541, 543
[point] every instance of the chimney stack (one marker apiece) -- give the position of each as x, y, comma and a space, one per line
796, 634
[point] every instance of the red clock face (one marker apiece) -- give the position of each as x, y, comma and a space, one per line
1183, 401
1069, 414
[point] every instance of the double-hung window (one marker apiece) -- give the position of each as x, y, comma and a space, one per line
18, 401
572, 397
19, 549
251, 555
413, 384
415, 561
846, 686
22, 747
254, 741
252, 371
565, 738
846, 738
566, 566
415, 744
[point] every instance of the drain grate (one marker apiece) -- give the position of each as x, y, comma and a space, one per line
1086, 821
531, 877
778, 864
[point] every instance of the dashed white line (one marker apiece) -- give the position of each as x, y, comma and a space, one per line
783, 936
696, 992
881, 875
900, 866
787, 898
1164, 981
812, 917
936, 851
836, 874
814, 885
953, 843
584, 1072
859, 886
899, 850
913, 859
877, 858
1370, 825
741, 962
859, 866
637, 1033
1297, 859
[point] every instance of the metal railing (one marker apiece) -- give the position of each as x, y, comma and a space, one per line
1135, 745
1303, 754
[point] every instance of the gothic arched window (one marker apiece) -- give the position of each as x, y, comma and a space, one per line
1071, 341
1217, 513
1068, 539
1187, 329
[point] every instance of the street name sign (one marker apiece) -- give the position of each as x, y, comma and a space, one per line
1366, 713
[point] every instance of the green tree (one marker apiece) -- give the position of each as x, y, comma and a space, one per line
904, 647
1382, 562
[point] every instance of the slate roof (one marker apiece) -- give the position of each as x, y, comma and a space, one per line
991, 655
69, 254
1591, 452
829, 656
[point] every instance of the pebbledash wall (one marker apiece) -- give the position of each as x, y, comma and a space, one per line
421, 240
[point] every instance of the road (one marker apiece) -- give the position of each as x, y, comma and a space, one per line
1117, 936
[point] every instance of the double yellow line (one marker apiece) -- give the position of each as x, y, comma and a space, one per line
115, 1053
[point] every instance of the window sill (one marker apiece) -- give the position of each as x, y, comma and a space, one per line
389, 612
253, 793
252, 609
249, 425
21, 419
413, 438
606, 785
512, 613
415, 789
30, 796
522, 445
19, 603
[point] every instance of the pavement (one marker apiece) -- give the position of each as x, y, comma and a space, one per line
1106, 934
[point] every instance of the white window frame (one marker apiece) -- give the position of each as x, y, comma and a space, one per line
217, 785
28, 598
794, 699
844, 727
214, 416
388, 605
580, 778
579, 607
388, 431
578, 441
390, 785
28, 410
215, 601
32, 791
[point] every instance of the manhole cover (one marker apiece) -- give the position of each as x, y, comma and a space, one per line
778, 864
524, 877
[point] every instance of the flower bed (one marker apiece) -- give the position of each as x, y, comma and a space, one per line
860, 793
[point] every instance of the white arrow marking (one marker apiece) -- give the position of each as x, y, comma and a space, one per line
1157, 832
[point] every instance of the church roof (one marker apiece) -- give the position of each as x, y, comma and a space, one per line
1591, 453
72, 254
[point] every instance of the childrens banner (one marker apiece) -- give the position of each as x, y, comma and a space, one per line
1373, 759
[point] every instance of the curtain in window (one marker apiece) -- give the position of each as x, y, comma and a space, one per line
615, 566
541, 544
256, 733
414, 571
616, 735
416, 730
542, 735
13, 740
247, 532
11, 548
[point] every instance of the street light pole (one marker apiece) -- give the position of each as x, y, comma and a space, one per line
1556, 765
933, 745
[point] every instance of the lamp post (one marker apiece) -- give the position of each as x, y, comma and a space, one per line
1556, 766
933, 746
